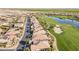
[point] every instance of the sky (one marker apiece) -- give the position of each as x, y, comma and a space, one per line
39, 4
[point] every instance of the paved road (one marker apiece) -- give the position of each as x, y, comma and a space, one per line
7, 49
26, 33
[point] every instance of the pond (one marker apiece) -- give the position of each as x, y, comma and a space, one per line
66, 21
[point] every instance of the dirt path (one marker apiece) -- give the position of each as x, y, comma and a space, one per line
54, 43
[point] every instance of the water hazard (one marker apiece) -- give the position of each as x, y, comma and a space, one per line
66, 21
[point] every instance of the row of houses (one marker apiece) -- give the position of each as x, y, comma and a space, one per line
39, 38
75, 14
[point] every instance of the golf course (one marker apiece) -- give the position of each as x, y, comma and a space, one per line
68, 40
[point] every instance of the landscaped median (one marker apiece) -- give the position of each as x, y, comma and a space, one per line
68, 39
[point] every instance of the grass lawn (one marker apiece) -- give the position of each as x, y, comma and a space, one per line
68, 40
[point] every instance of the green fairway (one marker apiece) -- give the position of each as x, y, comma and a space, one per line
68, 40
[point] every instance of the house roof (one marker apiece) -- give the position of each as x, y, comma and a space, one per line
40, 37
40, 45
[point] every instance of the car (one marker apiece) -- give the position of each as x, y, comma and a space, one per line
23, 42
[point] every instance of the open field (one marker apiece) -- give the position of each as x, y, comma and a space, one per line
54, 10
